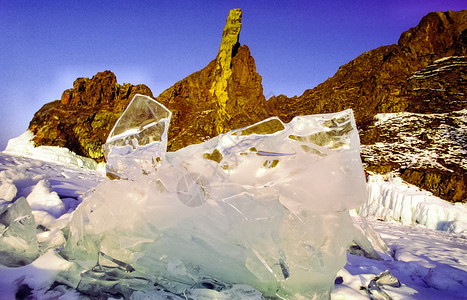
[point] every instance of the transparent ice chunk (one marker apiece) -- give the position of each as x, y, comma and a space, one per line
138, 140
110, 275
8, 190
18, 242
266, 206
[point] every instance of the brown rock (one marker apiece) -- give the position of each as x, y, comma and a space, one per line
445, 184
377, 81
439, 34
83, 118
66, 96
439, 87
227, 94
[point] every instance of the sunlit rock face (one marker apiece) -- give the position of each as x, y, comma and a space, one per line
83, 118
223, 70
266, 205
225, 95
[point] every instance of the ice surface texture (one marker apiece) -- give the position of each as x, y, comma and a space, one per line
18, 242
266, 205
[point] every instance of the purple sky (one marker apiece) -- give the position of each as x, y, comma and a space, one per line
45, 45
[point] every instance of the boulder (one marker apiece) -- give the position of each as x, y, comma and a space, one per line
82, 119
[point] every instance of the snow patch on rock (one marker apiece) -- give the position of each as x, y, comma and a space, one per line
24, 146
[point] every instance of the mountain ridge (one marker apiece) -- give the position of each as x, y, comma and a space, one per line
375, 81
425, 72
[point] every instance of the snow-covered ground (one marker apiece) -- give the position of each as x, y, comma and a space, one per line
429, 264
427, 238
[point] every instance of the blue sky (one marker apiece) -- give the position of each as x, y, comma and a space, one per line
45, 45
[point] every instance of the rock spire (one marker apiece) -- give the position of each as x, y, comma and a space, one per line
223, 72
227, 94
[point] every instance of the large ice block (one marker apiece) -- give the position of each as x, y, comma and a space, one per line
138, 140
266, 205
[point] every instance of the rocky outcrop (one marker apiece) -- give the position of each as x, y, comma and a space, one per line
439, 87
223, 72
378, 81
427, 150
439, 34
227, 94
83, 118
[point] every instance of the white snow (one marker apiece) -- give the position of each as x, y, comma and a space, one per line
440, 65
24, 146
39, 276
389, 198
430, 264
407, 147
7, 189
447, 58
42, 198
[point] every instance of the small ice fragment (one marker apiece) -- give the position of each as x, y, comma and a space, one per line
18, 242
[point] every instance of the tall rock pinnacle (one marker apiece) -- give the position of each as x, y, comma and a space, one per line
223, 72
227, 94
230, 37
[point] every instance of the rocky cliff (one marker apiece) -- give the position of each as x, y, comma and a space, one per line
84, 116
428, 147
384, 80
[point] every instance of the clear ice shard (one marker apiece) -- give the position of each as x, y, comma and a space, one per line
138, 140
266, 206
18, 242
